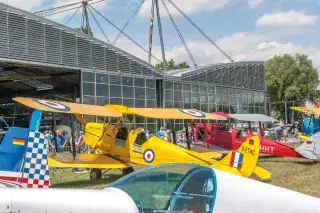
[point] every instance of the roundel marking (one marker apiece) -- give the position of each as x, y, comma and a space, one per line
193, 113
53, 105
148, 156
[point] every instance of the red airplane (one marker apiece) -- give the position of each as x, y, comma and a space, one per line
220, 139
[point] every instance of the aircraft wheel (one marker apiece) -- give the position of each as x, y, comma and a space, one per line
95, 174
128, 170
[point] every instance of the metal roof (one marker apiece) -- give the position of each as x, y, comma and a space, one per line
64, 34
195, 70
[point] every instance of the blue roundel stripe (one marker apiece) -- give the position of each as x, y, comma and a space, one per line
193, 113
53, 105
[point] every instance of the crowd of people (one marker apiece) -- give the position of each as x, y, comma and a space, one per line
62, 141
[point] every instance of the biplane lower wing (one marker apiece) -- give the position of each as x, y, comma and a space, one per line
86, 161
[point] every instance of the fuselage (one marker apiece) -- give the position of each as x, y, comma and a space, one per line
232, 141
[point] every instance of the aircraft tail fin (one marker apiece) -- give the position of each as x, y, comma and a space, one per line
307, 150
245, 158
35, 169
24, 156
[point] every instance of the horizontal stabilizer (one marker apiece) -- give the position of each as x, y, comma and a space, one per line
306, 153
262, 173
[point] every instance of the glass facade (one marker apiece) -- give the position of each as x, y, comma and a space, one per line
231, 88
101, 89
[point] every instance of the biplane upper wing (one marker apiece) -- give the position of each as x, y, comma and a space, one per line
252, 117
86, 161
67, 107
307, 110
166, 113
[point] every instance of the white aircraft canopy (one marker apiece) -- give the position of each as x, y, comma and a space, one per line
176, 188
253, 117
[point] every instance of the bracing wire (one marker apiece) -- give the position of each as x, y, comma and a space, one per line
212, 42
54, 13
131, 18
179, 33
57, 8
101, 29
73, 15
126, 35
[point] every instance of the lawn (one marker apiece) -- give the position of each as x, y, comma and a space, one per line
296, 174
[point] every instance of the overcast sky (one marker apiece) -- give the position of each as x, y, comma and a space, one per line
245, 29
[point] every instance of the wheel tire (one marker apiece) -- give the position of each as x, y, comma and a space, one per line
128, 170
95, 174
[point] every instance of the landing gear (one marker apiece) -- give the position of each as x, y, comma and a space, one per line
128, 170
95, 174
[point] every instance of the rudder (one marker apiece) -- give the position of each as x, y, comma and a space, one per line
245, 158
35, 167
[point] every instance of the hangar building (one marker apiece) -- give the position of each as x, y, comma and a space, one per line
41, 58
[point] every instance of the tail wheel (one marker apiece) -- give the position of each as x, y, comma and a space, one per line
95, 174
128, 170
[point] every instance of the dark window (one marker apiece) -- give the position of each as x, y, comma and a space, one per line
151, 93
204, 107
211, 98
88, 77
140, 120
102, 78
195, 97
187, 97
178, 96
196, 106
177, 86
115, 101
128, 102
140, 103
211, 89
128, 81
139, 82
88, 89
204, 98
151, 103
178, 104
101, 101
187, 105
88, 100
195, 88
128, 92
140, 93
115, 91
102, 90
203, 89
168, 85
150, 83
115, 79
168, 104
187, 87
168, 95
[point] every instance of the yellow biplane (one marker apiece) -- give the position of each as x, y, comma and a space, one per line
310, 124
121, 147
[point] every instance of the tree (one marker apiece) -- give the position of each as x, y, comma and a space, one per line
172, 66
290, 78
84, 29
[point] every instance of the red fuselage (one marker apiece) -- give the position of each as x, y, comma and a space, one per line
218, 136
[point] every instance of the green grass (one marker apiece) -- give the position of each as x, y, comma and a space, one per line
296, 174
